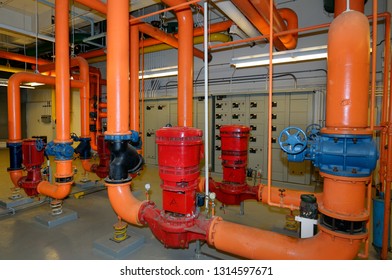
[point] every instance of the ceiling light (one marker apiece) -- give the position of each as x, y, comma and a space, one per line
290, 56
159, 72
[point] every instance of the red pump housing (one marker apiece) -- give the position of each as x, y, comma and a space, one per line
102, 170
233, 189
32, 159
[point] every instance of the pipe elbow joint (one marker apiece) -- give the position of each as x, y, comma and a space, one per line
57, 191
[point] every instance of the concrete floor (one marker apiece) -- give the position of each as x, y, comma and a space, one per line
22, 237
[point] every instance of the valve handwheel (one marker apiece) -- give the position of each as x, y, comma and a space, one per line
313, 130
293, 140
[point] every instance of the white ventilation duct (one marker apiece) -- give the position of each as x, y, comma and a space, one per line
238, 18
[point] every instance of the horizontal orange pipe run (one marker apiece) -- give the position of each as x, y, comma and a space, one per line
22, 58
260, 244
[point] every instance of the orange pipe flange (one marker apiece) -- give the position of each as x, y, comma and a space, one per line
260, 244
15, 175
348, 94
289, 40
341, 6
185, 63
124, 204
118, 68
344, 197
134, 83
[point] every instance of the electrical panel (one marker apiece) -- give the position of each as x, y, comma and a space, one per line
288, 109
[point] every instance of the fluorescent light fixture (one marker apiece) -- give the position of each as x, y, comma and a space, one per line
34, 84
159, 72
4, 83
296, 55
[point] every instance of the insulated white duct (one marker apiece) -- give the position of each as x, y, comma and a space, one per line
238, 18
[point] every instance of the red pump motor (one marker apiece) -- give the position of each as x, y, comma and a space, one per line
32, 159
233, 189
102, 169
179, 152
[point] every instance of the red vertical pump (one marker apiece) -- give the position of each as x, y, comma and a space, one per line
102, 169
233, 189
179, 152
32, 159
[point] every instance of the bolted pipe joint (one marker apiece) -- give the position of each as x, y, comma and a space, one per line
61, 151
15, 150
84, 148
124, 160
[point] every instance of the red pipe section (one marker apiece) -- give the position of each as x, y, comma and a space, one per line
185, 63
289, 40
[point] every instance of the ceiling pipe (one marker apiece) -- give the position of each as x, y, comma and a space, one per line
341, 5
240, 20
279, 24
27, 33
4, 68
23, 58
185, 63
258, 21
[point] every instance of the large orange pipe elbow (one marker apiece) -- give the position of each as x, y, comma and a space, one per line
280, 16
348, 74
58, 190
88, 166
185, 63
124, 204
253, 243
15, 175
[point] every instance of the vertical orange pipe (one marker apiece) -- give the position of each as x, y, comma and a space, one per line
374, 65
118, 67
341, 6
348, 83
134, 78
185, 63
63, 97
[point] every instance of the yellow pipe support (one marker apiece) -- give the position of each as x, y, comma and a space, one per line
215, 37
13, 69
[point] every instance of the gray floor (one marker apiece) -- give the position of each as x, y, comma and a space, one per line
23, 237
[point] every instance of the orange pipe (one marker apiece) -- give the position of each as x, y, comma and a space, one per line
63, 97
185, 63
118, 67
348, 75
260, 244
257, 20
198, 31
88, 166
374, 65
290, 198
289, 40
22, 58
95, 5
344, 197
134, 83
124, 204
58, 190
15, 175
341, 6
